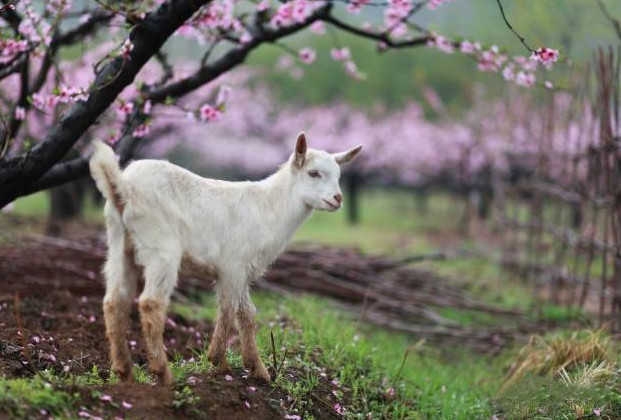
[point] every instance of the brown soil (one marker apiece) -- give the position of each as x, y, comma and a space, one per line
51, 318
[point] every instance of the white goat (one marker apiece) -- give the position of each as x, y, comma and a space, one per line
161, 218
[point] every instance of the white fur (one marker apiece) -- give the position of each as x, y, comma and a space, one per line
236, 228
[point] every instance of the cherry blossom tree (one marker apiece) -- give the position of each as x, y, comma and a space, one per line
51, 106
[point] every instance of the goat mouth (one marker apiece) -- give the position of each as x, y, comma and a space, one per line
332, 206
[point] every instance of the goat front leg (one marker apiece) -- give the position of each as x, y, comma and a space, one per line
247, 331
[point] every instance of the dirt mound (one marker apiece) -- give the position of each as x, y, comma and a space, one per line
234, 396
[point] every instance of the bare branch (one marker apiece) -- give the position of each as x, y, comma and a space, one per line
615, 22
520, 37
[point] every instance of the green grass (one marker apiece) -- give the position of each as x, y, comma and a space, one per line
380, 374
389, 223
38, 205
366, 361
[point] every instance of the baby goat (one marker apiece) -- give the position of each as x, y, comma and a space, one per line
161, 218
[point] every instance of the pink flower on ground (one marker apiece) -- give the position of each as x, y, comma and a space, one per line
105, 397
126, 405
548, 84
307, 55
339, 409
597, 412
292, 417
209, 113
228, 378
252, 389
247, 404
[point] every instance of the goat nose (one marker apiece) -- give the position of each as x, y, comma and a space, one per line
338, 198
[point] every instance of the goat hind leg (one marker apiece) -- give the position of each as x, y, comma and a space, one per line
160, 280
121, 276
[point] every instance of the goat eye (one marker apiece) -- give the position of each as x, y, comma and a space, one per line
314, 174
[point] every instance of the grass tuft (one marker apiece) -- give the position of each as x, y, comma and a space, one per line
587, 351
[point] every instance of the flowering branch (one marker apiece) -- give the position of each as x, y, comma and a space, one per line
19, 173
377, 36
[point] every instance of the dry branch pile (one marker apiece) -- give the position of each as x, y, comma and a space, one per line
386, 292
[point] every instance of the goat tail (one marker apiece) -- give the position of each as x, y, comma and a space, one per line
106, 172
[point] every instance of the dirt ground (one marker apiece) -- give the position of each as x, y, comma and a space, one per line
51, 318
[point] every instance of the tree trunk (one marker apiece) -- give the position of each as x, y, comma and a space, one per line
66, 202
353, 182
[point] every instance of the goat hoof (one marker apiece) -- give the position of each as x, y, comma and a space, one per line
261, 374
164, 377
125, 374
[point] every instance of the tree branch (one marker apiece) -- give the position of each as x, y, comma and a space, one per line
520, 37
381, 37
615, 22
207, 73
18, 173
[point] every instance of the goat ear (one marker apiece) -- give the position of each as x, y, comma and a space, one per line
348, 156
300, 150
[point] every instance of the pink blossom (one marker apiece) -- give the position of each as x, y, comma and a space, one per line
124, 109
288, 13
547, 56
126, 49
105, 397
466, 47
434, 4
263, 5
525, 79
318, 27
354, 6
597, 412
292, 417
247, 404
340, 54
245, 37
442, 43
20, 113
224, 93
339, 409
307, 55
192, 380
147, 107
209, 113
508, 73
141, 131
548, 84
252, 389
228, 378
126, 405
